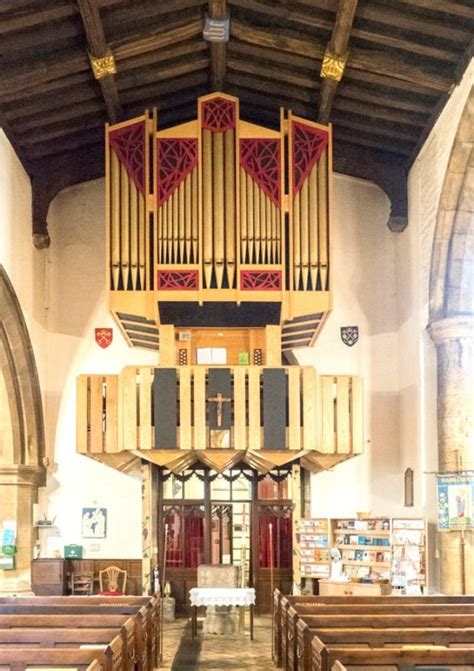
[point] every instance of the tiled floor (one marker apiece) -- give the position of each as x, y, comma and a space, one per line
235, 652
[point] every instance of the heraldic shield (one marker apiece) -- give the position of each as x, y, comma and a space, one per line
103, 337
349, 335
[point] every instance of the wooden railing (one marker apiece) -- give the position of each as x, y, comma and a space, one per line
323, 412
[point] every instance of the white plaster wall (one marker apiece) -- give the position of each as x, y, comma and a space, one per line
78, 304
24, 264
364, 290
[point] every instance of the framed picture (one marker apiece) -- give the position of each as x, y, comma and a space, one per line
455, 502
94, 522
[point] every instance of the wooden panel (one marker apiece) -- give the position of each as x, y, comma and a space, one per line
96, 432
200, 433
185, 408
132, 566
145, 382
81, 414
167, 345
275, 394
309, 408
327, 414
219, 383
254, 408
240, 431
111, 413
129, 414
165, 411
48, 577
342, 416
273, 345
294, 408
357, 416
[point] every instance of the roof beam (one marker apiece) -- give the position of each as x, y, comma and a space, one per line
102, 60
336, 53
218, 11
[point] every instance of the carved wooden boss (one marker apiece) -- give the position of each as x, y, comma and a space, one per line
218, 236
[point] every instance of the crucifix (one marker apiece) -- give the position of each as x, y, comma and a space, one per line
219, 399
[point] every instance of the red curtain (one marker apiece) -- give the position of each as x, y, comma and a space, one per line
282, 541
193, 541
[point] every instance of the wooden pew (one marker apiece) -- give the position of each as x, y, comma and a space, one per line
324, 658
281, 603
19, 659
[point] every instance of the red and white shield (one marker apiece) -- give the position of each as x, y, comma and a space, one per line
104, 337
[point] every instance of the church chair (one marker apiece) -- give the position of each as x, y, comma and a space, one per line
82, 583
112, 581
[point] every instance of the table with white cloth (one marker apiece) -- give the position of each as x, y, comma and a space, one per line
221, 596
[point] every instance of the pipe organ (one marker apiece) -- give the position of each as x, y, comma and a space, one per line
207, 218
218, 240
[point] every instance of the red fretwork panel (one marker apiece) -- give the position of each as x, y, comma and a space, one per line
261, 160
218, 114
308, 145
176, 159
128, 143
260, 280
178, 280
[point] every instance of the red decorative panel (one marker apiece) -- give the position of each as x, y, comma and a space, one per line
128, 143
218, 114
261, 159
178, 280
176, 159
308, 145
260, 280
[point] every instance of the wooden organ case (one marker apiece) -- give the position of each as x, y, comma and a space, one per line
218, 234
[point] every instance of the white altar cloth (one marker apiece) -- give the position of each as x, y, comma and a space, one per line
222, 596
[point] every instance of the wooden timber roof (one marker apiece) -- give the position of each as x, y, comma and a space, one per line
402, 59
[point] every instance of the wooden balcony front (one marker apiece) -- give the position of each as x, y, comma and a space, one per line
273, 415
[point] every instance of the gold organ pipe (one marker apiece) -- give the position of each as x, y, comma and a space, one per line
313, 226
207, 205
194, 215
218, 187
304, 234
269, 225
115, 220
263, 225
243, 216
229, 227
170, 229
181, 219
296, 241
125, 227
256, 215
276, 233
133, 234
323, 218
142, 228
160, 234
187, 219
250, 219
164, 219
175, 224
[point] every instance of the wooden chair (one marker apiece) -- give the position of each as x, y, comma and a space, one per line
112, 581
82, 583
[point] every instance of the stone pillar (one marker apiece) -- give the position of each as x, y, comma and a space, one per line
18, 491
454, 341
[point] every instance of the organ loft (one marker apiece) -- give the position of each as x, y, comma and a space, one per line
218, 246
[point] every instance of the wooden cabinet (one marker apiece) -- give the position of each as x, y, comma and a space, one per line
334, 588
48, 577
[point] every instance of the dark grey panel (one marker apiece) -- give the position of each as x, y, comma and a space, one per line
165, 408
218, 382
275, 395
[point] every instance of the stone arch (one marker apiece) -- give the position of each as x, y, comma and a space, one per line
451, 327
20, 376
452, 261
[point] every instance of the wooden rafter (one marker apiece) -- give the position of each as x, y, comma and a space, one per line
337, 49
218, 11
99, 49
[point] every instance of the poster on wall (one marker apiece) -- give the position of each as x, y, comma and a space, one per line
94, 522
455, 502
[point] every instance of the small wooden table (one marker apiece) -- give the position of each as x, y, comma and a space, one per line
221, 596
